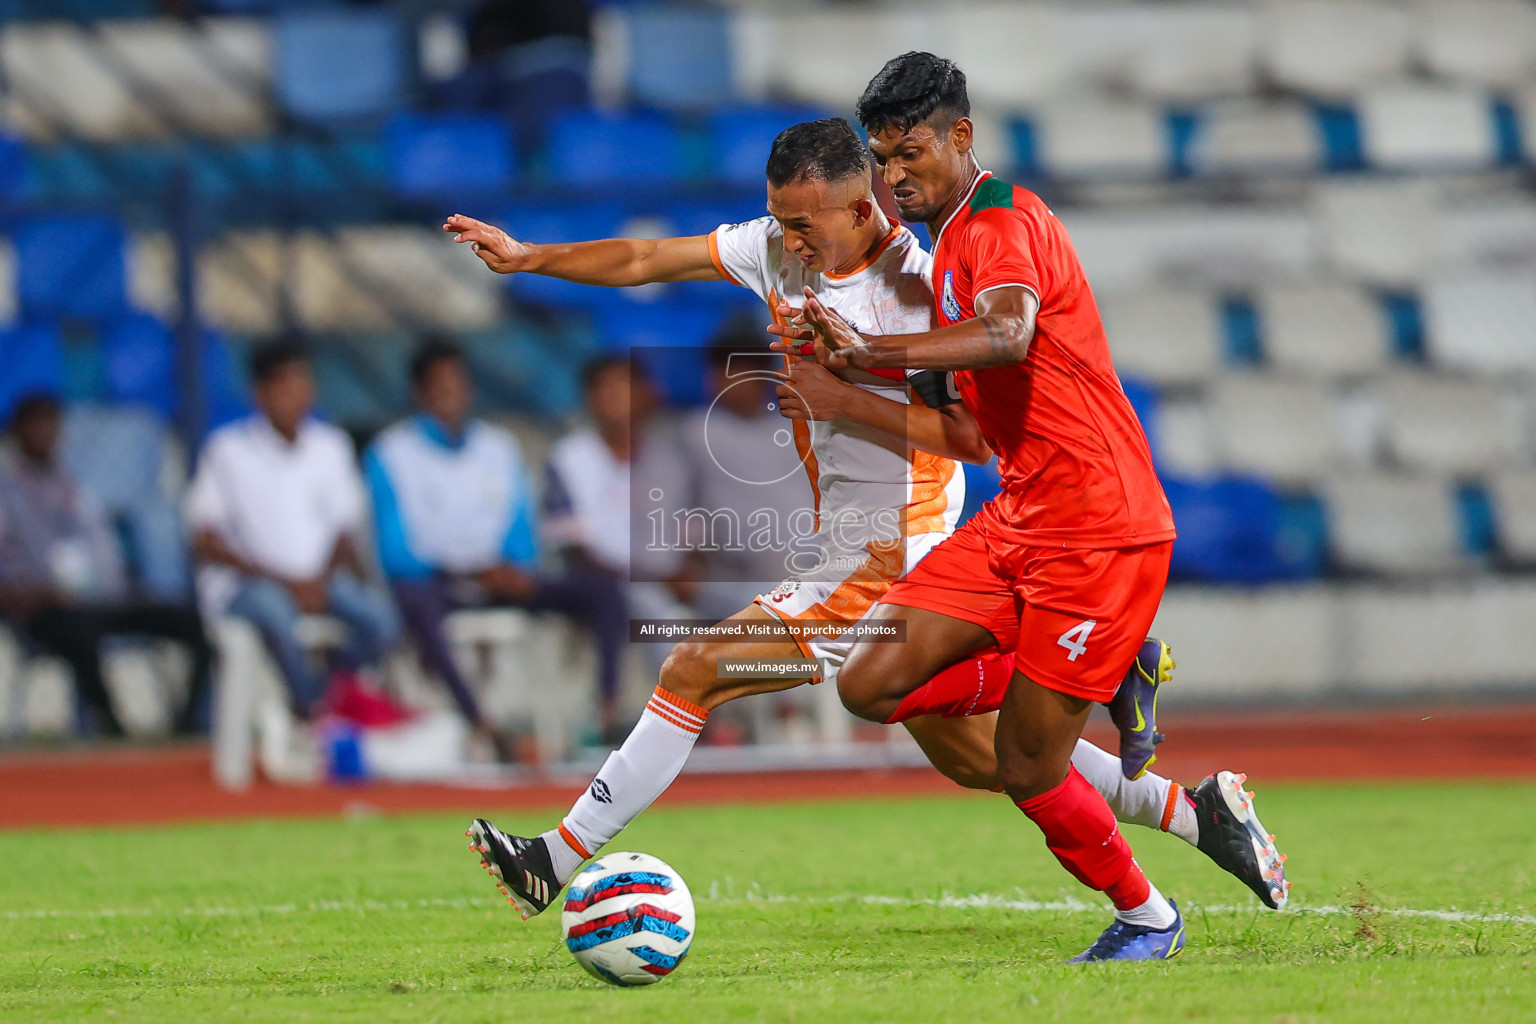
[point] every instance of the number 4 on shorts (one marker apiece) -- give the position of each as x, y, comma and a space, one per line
1076, 638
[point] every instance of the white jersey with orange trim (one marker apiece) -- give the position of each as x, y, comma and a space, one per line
880, 506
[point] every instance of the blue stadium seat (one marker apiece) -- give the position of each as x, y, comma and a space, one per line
443, 155
13, 166
658, 325
71, 267
1229, 532
678, 56
139, 361
702, 218
1144, 398
741, 137
982, 484
33, 357
339, 64
588, 148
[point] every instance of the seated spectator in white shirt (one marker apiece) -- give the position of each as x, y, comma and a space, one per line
454, 518
62, 580
274, 507
588, 501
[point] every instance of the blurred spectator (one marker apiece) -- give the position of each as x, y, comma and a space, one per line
275, 506
530, 59
454, 514
587, 500
62, 579
744, 461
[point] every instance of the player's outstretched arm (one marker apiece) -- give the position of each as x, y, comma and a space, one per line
812, 392
612, 262
999, 334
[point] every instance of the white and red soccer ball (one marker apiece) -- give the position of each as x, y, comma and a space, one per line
628, 919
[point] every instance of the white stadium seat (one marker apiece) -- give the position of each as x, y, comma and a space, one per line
1498, 233
987, 41
1194, 51
1427, 127
430, 279
1444, 424
1513, 493
1381, 232
1099, 137
1332, 49
52, 72
239, 277
1524, 101
1163, 335
1184, 439
1243, 136
1484, 323
1485, 42
836, 51
1217, 246
1399, 525
1286, 430
172, 59
1323, 330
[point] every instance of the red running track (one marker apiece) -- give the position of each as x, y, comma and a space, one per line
145, 786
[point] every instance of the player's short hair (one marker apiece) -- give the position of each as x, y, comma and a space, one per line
825, 150
911, 89
266, 360
433, 351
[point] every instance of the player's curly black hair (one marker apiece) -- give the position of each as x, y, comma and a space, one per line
911, 89
825, 150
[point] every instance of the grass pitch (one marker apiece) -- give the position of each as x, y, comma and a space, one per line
934, 909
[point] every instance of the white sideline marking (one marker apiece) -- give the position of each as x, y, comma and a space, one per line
978, 901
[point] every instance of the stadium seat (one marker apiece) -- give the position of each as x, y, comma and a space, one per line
434, 279
590, 148
1442, 424
1189, 52
55, 60
1427, 127
239, 278
741, 137
1491, 233
1381, 232
1083, 137
139, 364
676, 56
1513, 493
1243, 137
983, 38
1323, 330
190, 71
1483, 323
1270, 426
668, 339
1482, 42
1163, 336
1333, 49
339, 65
1232, 247
837, 50
445, 156
1396, 525
1228, 530
328, 292
1182, 439
33, 357
84, 279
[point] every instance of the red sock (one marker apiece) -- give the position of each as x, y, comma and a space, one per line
974, 686
1081, 831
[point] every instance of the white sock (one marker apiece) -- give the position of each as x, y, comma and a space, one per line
1183, 822
1150, 800
634, 775
1157, 912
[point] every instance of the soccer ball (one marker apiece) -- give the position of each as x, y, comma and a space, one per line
628, 919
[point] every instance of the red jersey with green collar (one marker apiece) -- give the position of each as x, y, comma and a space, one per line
1076, 470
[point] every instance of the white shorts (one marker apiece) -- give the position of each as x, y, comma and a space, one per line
845, 601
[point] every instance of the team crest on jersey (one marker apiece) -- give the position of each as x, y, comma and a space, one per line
784, 591
950, 306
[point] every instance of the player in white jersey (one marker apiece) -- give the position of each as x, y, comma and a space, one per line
883, 474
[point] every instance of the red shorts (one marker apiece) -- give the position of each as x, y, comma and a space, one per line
1072, 617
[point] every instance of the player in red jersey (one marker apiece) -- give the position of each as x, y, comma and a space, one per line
1066, 567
